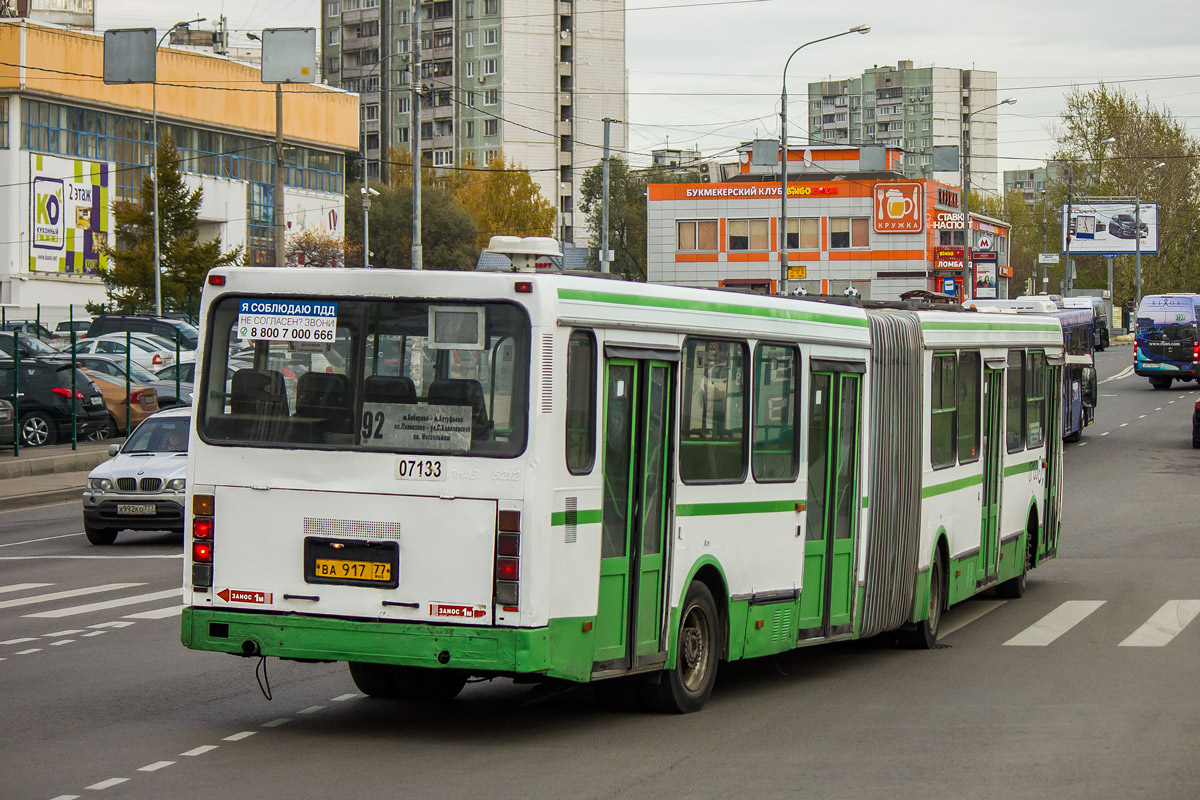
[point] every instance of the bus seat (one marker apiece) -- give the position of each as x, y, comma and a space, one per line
326, 396
259, 393
463, 392
389, 389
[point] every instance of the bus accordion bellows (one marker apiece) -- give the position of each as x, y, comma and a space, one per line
435, 476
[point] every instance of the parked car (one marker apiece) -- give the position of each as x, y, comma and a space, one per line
148, 352
187, 372
6, 423
62, 331
189, 335
45, 401
143, 401
30, 346
114, 367
1123, 226
1196, 426
142, 486
29, 327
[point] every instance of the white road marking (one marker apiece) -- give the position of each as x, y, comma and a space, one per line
341, 698
156, 766
1124, 424
111, 625
29, 652
201, 750
46, 598
310, 710
1167, 623
22, 640
122, 601
1106, 433
1083, 444
20, 587
969, 614
43, 539
1158, 409
108, 784
1125, 373
60, 633
1141, 416
61, 641
158, 613
95, 633
66, 797
1055, 624
275, 723
237, 737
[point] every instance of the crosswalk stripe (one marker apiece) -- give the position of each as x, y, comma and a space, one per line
46, 598
20, 587
1055, 624
1167, 623
90, 607
158, 613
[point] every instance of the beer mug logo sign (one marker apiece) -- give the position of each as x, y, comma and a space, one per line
898, 208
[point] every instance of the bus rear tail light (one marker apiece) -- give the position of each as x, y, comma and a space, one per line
508, 559
1196, 352
202, 541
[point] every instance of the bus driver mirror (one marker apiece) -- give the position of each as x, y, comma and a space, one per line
1089, 387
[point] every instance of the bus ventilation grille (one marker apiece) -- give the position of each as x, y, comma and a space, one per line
351, 528
572, 520
547, 404
781, 625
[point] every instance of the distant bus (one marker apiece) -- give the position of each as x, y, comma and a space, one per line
1166, 346
1079, 384
1100, 317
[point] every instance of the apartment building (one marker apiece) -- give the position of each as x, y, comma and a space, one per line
1032, 182
531, 79
914, 109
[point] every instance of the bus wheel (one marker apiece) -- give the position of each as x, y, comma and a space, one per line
374, 680
685, 689
924, 636
1073, 437
418, 683
1160, 383
1013, 588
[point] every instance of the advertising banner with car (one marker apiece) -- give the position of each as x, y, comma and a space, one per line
1111, 228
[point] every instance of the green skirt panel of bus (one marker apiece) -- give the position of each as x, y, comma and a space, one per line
561, 650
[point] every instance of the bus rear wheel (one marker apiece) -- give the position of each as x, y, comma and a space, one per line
924, 635
1013, 588
418, 683
374, 680
1160, 383
686, 688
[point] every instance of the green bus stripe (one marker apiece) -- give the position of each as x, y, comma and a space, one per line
590, 517
951, 486
1017, 469
753, 507
1007, 325
707, 305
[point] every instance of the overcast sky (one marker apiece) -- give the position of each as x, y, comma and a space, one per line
708, 72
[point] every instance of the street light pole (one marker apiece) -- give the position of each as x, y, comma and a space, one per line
1137, 238
966, 203
154, 135
783, 155
366, 187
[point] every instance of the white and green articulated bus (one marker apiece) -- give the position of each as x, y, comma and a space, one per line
435, 476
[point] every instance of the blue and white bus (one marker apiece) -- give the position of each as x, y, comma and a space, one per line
1166, 344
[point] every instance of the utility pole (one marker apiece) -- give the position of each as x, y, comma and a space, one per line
1045, 267
605, 253
279, 224
418, 257
1067, 268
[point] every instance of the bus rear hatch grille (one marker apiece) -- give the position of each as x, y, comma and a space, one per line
351, 528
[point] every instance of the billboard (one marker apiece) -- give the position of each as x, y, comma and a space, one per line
1110, 228
898, 208
70, 214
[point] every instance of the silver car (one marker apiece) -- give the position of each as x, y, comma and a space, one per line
142, 486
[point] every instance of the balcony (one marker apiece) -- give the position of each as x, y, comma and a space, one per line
564, 127
564, 69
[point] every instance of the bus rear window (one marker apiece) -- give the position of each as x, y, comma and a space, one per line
399, 376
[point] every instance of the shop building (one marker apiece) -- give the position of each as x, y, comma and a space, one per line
854, 220
71, 146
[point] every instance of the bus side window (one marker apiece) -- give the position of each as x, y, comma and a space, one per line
968, 406
1015, 429
712, 439
1035, 401
580, 442
776, 447
944, 388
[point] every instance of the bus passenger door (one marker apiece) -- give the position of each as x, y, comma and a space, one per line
833, 504
993, 442
637, 470
1055, 388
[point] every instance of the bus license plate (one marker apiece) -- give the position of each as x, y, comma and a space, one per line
358, 570
136, 509
352, 562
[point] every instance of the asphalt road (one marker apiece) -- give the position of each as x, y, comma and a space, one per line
100, 700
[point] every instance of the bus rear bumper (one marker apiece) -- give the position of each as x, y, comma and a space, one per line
478, 650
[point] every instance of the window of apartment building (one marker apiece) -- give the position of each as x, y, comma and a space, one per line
443, 68
695, 235
489, 66
369, 28
333, 9
426, 130
370, 111
749, 234
469, 69
926, 91
926, 108
491, 97
565, 204
402, 105
443, 127
870, 130
369, 57
402, 135
491, 127
443, 38
869, 113
469, 8
403, 17
491, 6
490, 155
840, 117
443, 157
469, 39
470, 99
372, 141
912, 127
847, 232
804, 234
815, 105
443, 98
332, 35
926, 125
443, 9
332, 64
491, 36
469, 131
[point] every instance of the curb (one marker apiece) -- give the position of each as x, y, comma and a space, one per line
46, 498
79, 461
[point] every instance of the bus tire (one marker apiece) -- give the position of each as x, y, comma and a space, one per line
419, 683
686, 688
1160, 383
1013, 588
374, 680
924, 635
1073, 437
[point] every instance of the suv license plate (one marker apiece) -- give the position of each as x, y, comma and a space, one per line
140, 509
